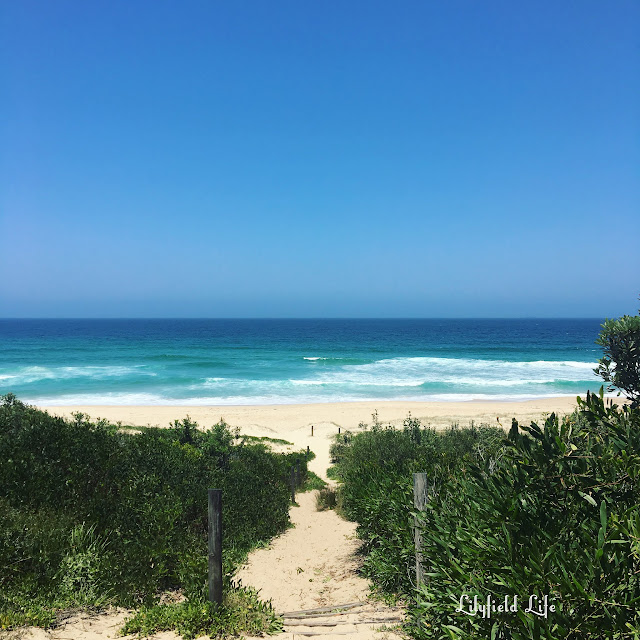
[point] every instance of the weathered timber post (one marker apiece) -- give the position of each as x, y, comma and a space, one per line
292, 482
420, 498
298, 473
215, 545
338, 430
312, 431
307, 451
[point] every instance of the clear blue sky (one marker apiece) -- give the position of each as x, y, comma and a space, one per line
346, 158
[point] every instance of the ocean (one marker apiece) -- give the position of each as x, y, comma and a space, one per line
240, 362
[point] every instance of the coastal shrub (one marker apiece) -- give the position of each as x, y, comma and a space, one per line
547, 510
376, 467
326, 498
32, 546
620, 365
241, 612
81, 568
92, 513
313, 482
558, 517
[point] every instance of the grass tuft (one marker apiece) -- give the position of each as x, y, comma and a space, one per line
242, 612
326, 498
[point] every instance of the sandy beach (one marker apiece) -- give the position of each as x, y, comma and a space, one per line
286, 418
293, 422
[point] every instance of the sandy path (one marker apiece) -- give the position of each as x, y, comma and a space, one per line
312, 564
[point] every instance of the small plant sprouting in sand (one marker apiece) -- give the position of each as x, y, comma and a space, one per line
326, 499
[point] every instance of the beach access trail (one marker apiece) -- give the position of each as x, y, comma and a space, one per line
311, 571
314, 564
311, 566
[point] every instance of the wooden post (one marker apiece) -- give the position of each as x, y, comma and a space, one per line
338, 430
215, 545
420, 498
298, 473
307, 451
293, 485
312, 431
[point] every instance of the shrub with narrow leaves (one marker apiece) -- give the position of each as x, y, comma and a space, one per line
620, 365
552, 510
558, 517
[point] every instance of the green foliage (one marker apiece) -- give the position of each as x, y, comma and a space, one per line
266, 439
550, 510
376, 468
241, 612
558, 516
312, 483
81, 568
91, 513
620, 366
16, 612
326, 498
332, 473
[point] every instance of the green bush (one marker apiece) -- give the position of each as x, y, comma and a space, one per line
550, 510
620, 365
376, 468
558, 516
326, 498
92, 513
313, 482
241, 612
82, 567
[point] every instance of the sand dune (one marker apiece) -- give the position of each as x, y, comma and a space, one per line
313, 564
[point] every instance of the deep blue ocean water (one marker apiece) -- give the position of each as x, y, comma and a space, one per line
197, 362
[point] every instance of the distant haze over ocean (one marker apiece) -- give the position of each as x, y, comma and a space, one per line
236, 362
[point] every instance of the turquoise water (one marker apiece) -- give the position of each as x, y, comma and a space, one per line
198, 362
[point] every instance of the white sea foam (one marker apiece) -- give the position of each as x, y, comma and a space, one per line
235, 383
402, 378
372, 382
30, 375
417, 371
415, 378
90, 399
143, 399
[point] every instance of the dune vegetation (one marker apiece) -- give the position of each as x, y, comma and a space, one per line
95, 514
545, 510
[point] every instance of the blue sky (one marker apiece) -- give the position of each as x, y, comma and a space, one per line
319, 158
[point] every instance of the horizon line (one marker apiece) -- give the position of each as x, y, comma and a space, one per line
303, 318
